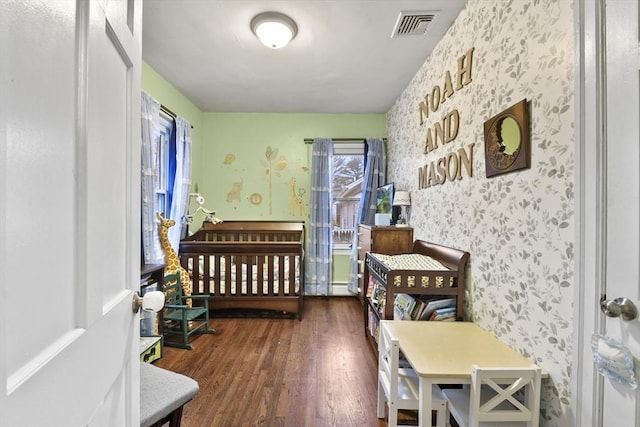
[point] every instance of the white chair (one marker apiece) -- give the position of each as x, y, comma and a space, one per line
498, 397
398, 387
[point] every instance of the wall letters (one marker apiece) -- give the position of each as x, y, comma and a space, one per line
449, 167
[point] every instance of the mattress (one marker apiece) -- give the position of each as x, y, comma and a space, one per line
409, 262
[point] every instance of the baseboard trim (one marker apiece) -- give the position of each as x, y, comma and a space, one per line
340, 290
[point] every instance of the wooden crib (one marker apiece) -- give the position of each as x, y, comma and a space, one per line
248, 264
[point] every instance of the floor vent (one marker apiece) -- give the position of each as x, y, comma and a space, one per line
412, 23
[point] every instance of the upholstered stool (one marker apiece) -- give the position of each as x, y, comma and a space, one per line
163, 394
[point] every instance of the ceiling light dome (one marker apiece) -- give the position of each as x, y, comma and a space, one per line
274, 29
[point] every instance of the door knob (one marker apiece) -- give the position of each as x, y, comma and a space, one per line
619, 307
151, 300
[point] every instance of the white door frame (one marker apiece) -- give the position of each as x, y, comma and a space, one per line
586, 384
591, 209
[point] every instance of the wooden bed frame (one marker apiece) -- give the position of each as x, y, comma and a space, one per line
269, 253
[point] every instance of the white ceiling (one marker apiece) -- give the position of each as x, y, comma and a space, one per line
343, 59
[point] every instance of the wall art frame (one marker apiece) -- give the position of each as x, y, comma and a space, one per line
507, 142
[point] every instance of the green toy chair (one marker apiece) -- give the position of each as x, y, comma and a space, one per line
178, 319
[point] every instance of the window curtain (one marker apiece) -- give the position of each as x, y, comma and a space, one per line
375, 175
171, 169
151, 251
318, 268
181, 183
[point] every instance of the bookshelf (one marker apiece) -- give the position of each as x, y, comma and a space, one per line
421, 292
151, 277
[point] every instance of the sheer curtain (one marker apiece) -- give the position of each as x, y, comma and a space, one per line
375, 175
151, 250
181, 183
319, 261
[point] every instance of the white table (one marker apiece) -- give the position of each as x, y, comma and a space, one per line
443, 353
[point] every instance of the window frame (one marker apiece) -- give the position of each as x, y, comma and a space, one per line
347, 148
161, 159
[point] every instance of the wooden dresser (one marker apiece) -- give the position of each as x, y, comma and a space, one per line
383, 240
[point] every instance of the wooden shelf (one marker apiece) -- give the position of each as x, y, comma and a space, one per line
446, 283
382, 240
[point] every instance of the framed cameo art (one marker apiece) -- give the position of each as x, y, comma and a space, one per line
507, 146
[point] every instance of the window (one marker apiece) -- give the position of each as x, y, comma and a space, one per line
161, 156
347, 174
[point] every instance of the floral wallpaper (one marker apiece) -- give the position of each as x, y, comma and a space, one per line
519, 227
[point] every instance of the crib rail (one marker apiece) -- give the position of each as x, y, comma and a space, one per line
250, 231
248, 264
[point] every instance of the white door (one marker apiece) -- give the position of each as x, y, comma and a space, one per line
610, 191
69, 212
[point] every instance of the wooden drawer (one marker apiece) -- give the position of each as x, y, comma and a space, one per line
383, 240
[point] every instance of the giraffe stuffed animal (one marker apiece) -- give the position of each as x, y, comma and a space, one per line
171, 257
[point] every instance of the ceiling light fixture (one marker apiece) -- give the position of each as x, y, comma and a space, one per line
274, 29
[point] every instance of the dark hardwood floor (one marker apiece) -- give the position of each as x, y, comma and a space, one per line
283, 372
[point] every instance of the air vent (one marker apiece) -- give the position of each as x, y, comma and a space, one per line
412, 23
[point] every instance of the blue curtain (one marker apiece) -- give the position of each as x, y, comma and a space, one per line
171, 169
151, 251
182, 182
318, 260
375, 175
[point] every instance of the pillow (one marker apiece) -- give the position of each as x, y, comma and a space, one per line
613, 360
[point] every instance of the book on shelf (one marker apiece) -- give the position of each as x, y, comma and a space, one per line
146, 279
416, 309
402, 305
377, 294
148, 286
371, 286
436, 304
448, 318
381, 307
443, 314
413, 307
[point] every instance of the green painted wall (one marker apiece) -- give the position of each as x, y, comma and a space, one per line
341, 267
257, 166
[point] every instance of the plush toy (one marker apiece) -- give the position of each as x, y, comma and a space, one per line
171, 257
